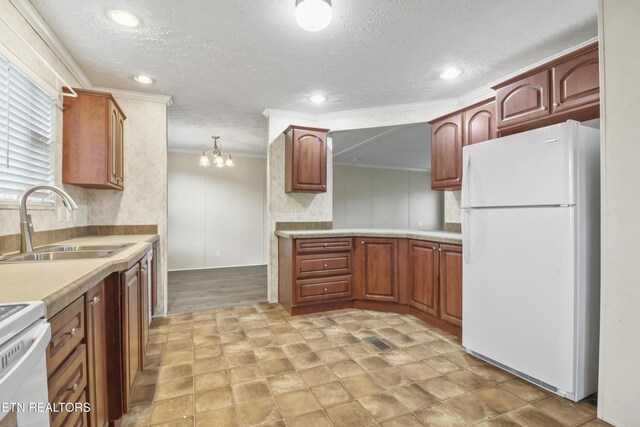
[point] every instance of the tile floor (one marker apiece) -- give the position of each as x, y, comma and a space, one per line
257, 365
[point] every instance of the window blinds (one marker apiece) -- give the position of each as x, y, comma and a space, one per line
26, 131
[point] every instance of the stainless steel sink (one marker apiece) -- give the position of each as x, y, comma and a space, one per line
70, 248
67, 252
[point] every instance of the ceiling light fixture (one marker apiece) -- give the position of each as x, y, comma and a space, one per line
124, 18
313, 15
318, 99
215, 153
450, 73
145, 80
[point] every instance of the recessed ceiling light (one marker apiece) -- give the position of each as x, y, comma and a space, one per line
450, 73
318, 99
124, 18
145, 80
313, 15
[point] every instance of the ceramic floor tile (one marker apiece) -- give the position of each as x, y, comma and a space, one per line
383, 406
276, 367
317, 376
418, 371
350, 414
171, 409
347, 368
259, 412
468, 380
408, 420
442, 388
413, 396
314, 419
472, 407
174, 388
441, 415
214, 399
297, 403
211, 381
331, 394
499, 399
565, 411
361, 385
286, 383
244, 374
255, 390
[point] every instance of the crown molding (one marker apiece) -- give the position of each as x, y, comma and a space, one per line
140, 96
34, 19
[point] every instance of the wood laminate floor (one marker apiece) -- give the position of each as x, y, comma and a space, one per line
209, 289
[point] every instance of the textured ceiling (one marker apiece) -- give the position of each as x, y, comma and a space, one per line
394, 147
224, 61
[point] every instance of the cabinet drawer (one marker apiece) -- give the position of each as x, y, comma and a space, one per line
67, 332
68, 383
77, 418
307, 246
330, 288
323, 265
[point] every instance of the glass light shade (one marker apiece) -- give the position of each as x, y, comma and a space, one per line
313, 15
204, 161
218, 161
229, 162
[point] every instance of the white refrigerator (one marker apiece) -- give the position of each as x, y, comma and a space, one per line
531, 249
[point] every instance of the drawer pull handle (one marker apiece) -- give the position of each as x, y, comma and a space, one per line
95, 300
73, 388
72, 332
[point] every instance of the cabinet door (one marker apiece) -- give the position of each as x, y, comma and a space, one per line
423, 276
523, 100
113, 141
130, 329
446, 153
144, 309
95, 310
576, 82
480, 123
451, 284
306, 161
120, 151
378, 269
154, 279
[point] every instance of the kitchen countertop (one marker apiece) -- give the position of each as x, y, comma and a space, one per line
59, 283
432, 236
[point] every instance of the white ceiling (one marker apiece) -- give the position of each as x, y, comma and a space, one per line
224, 61
393, 147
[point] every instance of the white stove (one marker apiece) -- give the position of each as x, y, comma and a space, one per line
24, 336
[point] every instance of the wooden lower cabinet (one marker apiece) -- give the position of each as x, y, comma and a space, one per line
96, 321
422, 278
451, 284
131, 348
377, 269
144, 309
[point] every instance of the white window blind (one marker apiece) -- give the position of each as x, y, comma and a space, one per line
26, 130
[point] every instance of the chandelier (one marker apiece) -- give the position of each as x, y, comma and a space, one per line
214, 155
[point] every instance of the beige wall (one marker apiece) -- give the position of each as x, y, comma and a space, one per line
17, 52
212, 209
144, 199
619, 386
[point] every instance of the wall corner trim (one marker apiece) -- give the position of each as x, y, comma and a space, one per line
34, 19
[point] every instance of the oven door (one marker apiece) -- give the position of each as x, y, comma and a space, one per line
23, 378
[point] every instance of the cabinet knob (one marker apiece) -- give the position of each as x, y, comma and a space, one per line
326, 290
72, 332
543, 108
363, 242
95, 300
326, 244
74, 387
325, 266
555, 104
457, 179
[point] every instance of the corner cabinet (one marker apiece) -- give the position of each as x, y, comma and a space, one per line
93, 141
450, 134
377, 261
305, 160
423, 276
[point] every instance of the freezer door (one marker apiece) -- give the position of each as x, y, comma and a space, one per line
533, 168
518, 290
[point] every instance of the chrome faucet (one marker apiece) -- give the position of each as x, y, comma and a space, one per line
26, 226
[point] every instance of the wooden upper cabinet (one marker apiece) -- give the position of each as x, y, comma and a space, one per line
576, 82
523, 100
446, 152
423, 276
93, 141
305, 160
480, 123
451, 284
378, 269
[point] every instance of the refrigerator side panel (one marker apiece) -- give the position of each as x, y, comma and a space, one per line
534, 168
518, 290
588, 261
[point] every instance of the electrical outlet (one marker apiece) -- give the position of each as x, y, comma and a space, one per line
218, 252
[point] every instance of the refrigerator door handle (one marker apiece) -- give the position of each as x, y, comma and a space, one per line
465, 173
466, 246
